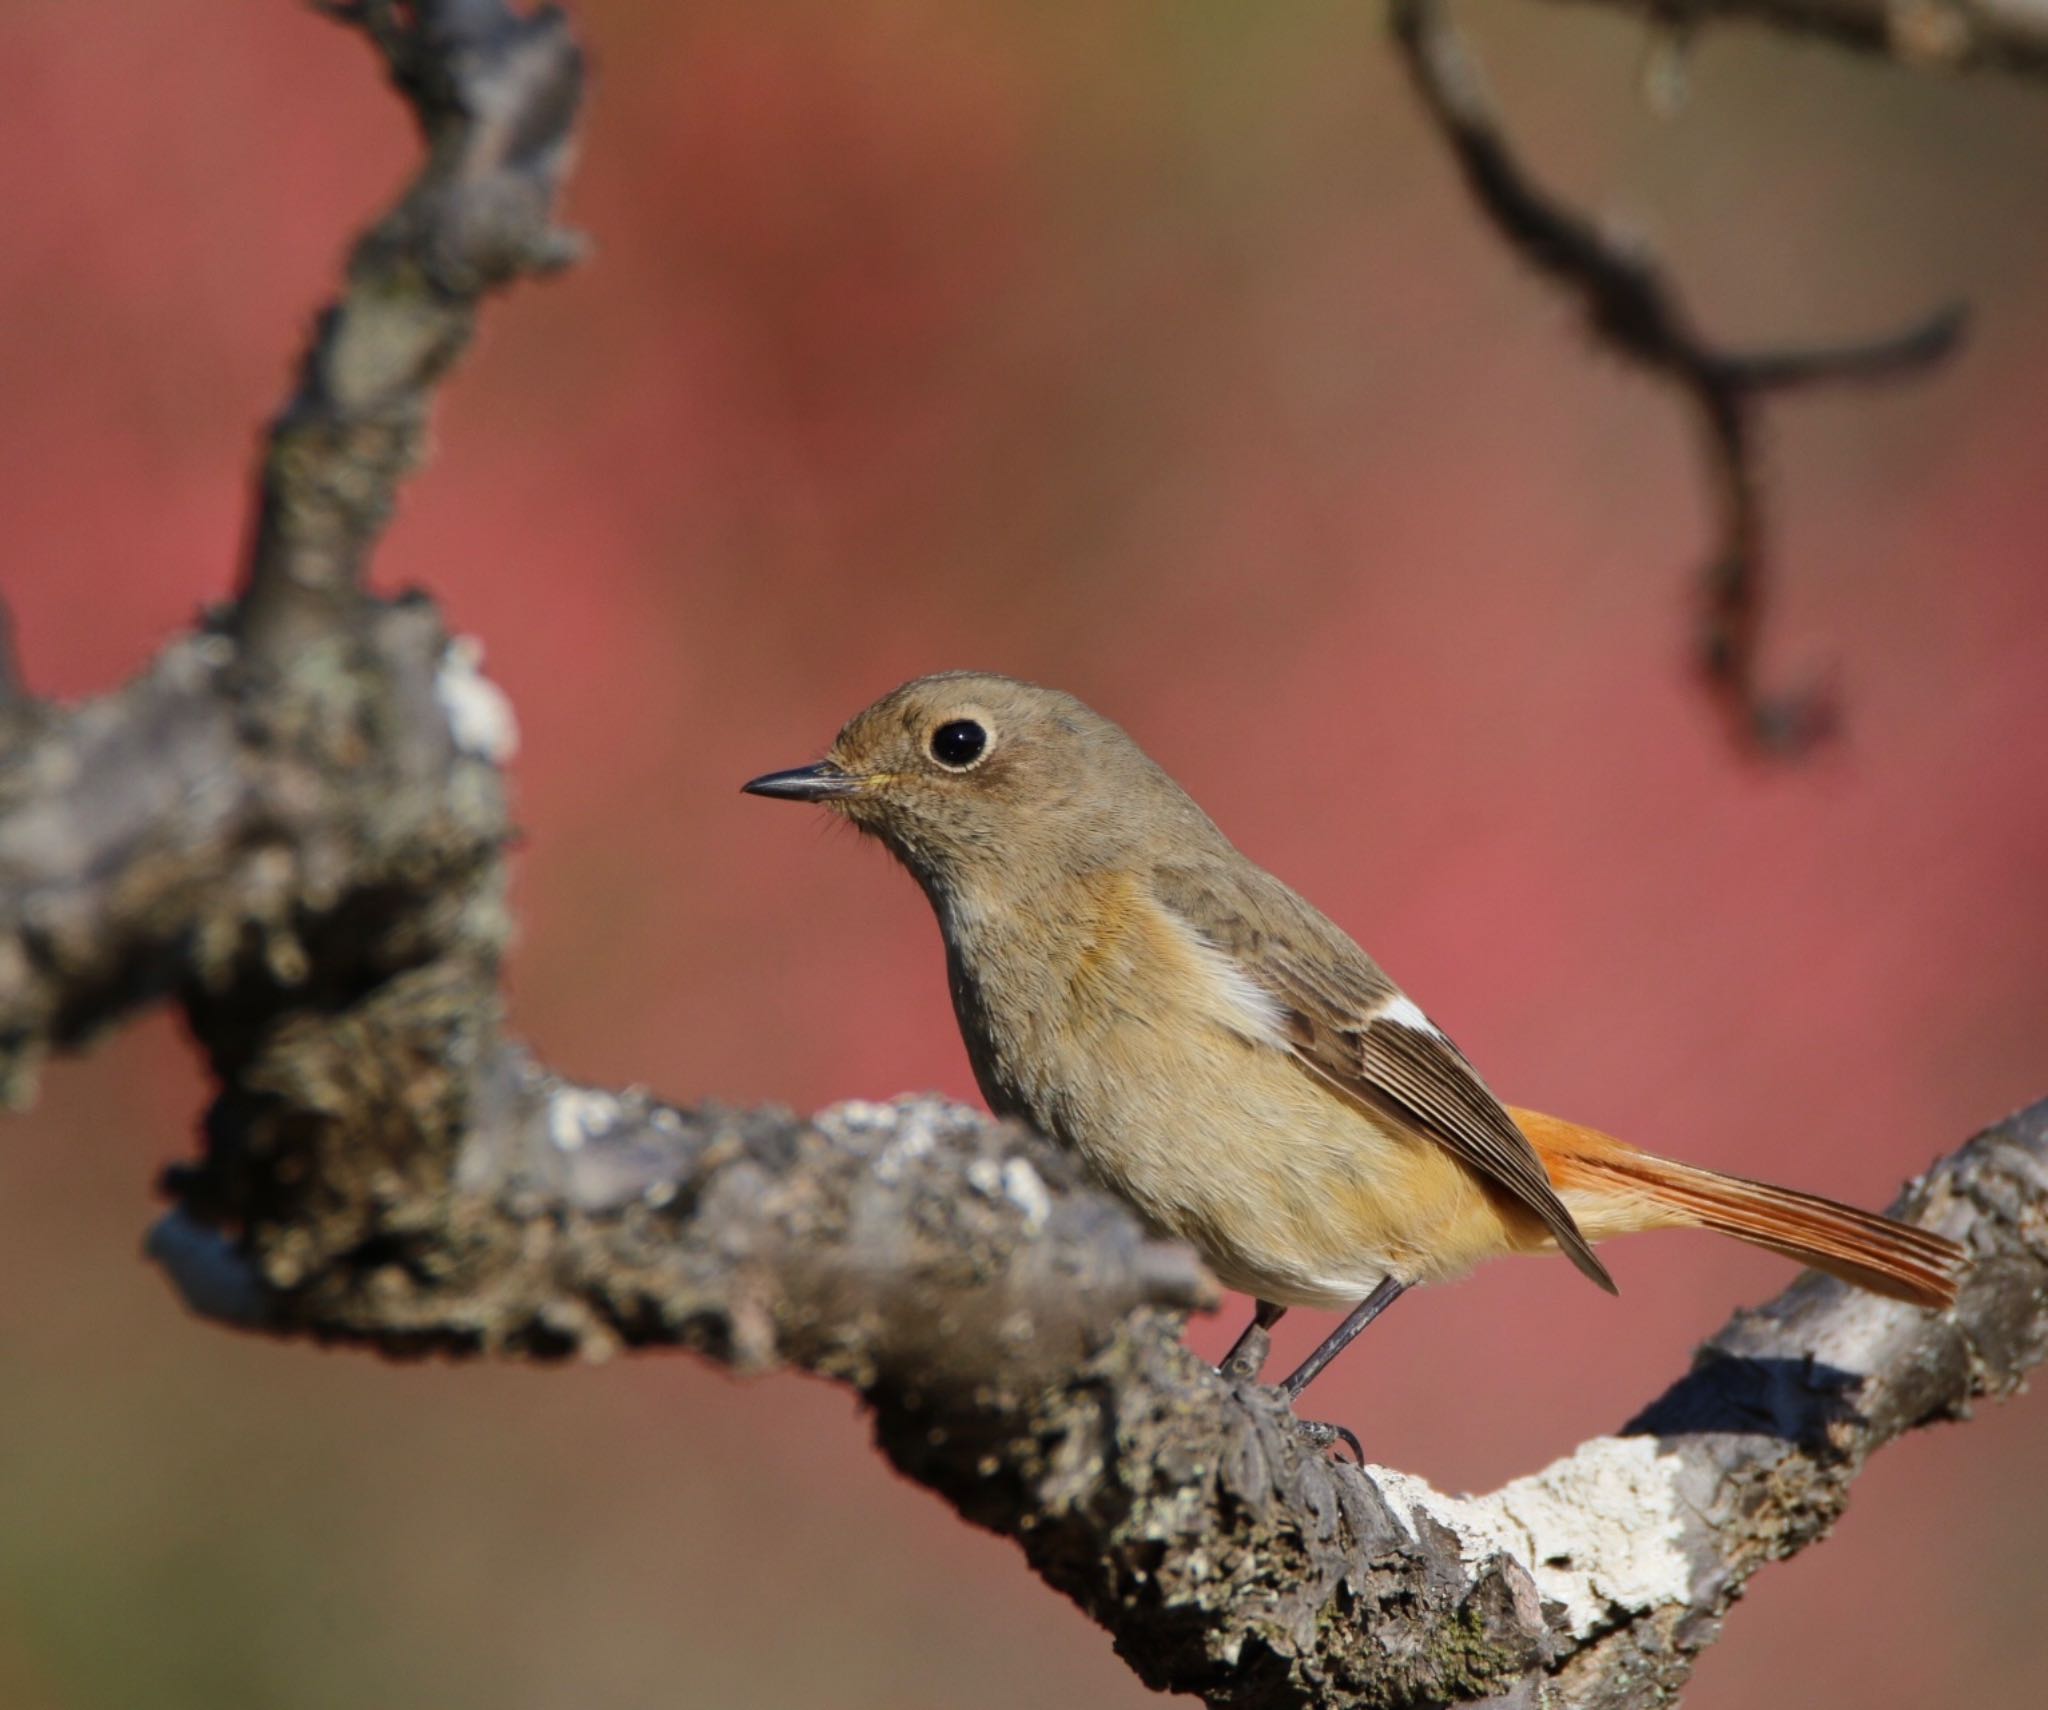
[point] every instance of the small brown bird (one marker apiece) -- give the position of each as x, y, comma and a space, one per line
1225, 1057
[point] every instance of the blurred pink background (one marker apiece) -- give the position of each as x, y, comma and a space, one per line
1151, 351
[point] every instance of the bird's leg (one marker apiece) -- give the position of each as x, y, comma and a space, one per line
1331, 1346
1344, 1335
1247, 1356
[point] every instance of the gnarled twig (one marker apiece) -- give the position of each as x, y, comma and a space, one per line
1634, 311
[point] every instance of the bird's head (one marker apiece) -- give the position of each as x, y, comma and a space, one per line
970, 777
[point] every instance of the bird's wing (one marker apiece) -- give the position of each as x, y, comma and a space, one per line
1353, 1029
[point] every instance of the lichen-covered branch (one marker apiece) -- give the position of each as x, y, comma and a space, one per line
195, 833
1633, 310
1018, 1339
293, 825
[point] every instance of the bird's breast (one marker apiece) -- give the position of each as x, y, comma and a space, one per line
1110, 1025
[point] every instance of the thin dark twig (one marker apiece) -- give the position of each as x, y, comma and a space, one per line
1924, 342
1633, 309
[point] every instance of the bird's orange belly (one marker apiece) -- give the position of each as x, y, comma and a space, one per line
1290, 1194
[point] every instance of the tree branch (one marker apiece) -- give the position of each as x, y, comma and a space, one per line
1633, 310
293, 824
1017, 1339
495, 92
312, 766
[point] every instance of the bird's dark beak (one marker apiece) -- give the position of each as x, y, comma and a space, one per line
823, 782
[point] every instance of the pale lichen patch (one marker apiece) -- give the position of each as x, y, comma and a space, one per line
1598, 1531
1025, 1189
576, 1114
478, 712
1014, 1180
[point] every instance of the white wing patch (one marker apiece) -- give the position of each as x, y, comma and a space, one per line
1403, 1011
1236, 999
1253, 1009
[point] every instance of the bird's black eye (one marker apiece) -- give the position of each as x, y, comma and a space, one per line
958, 743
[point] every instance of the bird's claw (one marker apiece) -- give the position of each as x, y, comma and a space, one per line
1320, 1436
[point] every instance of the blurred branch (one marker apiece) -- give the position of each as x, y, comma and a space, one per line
1633, 310
496, 93
1945, 35
307, 789
293, 823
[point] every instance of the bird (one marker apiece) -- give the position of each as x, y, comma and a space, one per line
1226, 1059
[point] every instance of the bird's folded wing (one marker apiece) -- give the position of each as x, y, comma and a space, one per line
1351, 1027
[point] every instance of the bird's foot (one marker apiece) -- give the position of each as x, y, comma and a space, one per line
1247, 1359
1319, 1436
1315, 1433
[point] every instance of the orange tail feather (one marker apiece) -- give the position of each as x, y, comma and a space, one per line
1860, 1247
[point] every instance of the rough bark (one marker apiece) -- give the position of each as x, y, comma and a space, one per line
1018, 1340
293, 825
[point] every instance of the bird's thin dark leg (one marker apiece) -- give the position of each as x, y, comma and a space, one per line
1247, 1356
1342, 1337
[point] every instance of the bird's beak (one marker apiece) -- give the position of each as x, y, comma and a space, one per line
823, 782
